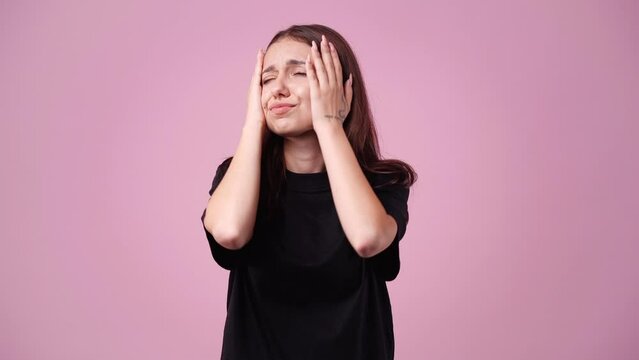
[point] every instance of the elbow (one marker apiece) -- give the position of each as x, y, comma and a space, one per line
373, 242
364, 251
366, 247
228, 238
231, 240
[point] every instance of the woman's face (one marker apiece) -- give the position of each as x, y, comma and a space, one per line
284, 82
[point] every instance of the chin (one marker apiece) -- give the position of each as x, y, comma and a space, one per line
289, 133
286, 127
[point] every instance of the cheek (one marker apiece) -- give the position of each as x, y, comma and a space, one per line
304, 94
306, 99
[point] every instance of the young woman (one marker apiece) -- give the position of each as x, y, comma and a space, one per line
305, 215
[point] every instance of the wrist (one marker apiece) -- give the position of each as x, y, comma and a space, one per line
328, 126
254, 125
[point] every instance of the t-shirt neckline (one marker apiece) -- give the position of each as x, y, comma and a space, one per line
307, 182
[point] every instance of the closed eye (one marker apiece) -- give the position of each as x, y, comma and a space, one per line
297, 73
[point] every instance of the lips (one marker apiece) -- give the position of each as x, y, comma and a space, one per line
280, 104
281, 108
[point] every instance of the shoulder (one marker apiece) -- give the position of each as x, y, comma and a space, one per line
223, 166
219, 173
389, 189
385, 181
390, 173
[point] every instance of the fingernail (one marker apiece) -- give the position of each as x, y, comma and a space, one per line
323, 38
313, 44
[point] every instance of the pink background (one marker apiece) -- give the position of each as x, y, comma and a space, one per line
521, 119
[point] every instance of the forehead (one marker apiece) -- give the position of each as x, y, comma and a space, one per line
283, 50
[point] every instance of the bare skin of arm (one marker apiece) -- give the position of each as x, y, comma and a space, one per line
231, 210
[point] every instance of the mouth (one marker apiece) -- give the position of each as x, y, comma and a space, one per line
279, 110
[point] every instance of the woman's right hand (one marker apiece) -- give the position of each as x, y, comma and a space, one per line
254, 112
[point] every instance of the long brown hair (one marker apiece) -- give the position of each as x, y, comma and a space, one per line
358, 125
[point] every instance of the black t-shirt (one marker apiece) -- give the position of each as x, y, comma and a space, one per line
298, 290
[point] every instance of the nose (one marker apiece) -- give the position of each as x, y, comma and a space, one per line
279, 87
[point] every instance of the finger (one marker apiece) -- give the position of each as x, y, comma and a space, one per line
337, 65
257, 74
311, 75
349, 91
327, 58
318, 65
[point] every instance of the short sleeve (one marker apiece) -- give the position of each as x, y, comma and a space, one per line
394, 198
226, 258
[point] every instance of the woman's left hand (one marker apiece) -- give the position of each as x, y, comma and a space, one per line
330, 96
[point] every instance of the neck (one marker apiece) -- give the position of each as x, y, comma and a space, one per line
302, 154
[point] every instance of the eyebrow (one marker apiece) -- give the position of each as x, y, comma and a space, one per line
290, 62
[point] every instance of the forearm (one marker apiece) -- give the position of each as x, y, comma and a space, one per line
231, 210
362, 216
